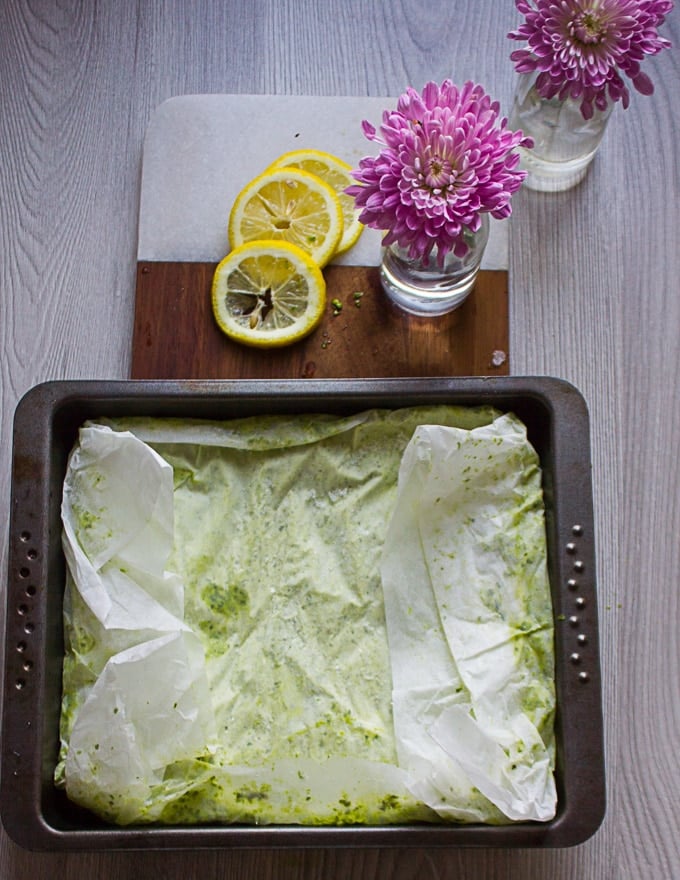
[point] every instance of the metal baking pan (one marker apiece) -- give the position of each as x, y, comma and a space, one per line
39, 816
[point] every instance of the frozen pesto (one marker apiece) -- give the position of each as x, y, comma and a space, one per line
229, 657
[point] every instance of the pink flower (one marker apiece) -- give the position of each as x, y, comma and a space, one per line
580, 47
444, 162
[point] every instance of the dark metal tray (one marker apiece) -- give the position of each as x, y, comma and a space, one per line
38, 816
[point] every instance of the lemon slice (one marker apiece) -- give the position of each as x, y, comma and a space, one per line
268, 294
336, 174
288, 204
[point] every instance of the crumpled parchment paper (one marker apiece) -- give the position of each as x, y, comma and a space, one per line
469, 622
307, 619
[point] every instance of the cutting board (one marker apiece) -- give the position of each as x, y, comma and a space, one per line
199, 151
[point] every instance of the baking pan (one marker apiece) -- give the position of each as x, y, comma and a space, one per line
39, 816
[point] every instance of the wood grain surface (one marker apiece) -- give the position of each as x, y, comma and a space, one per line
594, 299
175, 335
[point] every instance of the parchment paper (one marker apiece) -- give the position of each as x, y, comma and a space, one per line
308, 619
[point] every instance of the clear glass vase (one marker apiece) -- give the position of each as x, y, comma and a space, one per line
423, 287
564, 142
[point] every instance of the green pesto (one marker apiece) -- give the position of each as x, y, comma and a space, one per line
81, 641
181, 476
389, 802
250, 794
225, 602
87, 519
193, 804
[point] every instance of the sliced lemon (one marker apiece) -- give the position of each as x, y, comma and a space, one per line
268, 294
288, 204
336, 174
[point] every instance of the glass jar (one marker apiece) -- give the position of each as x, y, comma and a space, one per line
564, 142
423, 287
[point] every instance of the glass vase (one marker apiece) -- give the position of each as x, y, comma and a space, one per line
564, 142
422, 287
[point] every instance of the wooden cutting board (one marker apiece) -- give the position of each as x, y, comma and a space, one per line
176, 337
195, 160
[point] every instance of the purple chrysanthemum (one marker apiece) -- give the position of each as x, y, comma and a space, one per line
581, 47
444, 162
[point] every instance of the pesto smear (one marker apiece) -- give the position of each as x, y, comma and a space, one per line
278, 526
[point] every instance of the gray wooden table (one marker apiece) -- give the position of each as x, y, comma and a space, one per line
595, 299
